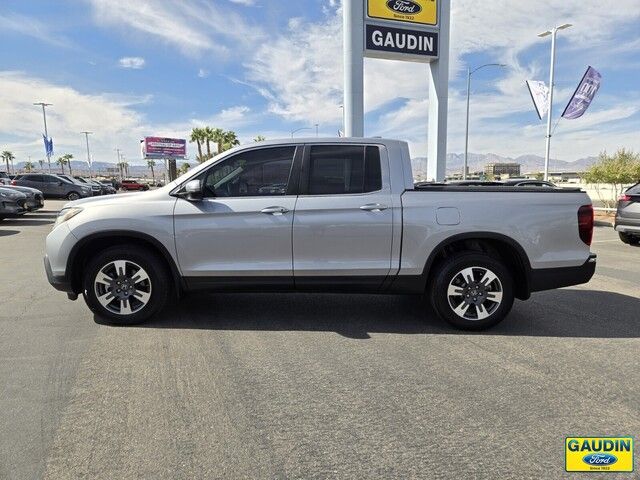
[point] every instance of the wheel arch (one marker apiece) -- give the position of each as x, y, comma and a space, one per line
98, 241
498, 245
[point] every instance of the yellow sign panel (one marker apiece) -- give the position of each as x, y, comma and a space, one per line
414, 11
598, 454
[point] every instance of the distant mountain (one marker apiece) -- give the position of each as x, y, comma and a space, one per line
455, 161
529, 163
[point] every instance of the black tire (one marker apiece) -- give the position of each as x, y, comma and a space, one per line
154, 266
449, 271
73, 196
628, 239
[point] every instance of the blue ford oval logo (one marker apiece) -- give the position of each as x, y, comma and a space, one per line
406, 7
599, 459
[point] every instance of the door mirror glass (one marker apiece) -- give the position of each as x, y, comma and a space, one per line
193, 190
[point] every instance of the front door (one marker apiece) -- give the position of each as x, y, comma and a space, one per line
240, 233
343, 222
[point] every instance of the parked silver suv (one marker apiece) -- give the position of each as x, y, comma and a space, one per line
337, 215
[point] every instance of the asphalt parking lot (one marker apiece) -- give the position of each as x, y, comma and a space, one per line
309, 386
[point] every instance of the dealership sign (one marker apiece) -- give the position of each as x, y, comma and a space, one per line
160, 147
402, 29
401, 40
423, 12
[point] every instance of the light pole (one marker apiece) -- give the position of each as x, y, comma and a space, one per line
46, 133
553, 33
466, 135
317, 124
119, 164
300, 129
86, 137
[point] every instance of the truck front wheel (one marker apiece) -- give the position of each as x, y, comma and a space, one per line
126, 284
472, 291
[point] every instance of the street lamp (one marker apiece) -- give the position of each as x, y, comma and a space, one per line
300, 129
466, 135
86, 137
553, 33
46, 133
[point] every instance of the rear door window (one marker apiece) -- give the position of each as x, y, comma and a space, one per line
344, 169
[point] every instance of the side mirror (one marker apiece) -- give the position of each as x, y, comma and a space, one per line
193, 190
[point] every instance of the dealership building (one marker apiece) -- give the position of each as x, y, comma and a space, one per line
498, 169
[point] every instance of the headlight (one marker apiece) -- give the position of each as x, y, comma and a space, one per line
66, 214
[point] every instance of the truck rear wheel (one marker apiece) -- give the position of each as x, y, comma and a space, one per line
126, 284
472, 291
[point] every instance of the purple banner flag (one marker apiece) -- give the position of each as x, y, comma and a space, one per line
582, 97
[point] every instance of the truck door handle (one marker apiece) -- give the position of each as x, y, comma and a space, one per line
374, 207
274, 210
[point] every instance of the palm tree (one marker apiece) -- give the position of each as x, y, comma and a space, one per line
197, 136
208, 134
68, 156
8, 157
151, 164
218, 137
62, 162
184, 168
28, 166
230, 140
259, 138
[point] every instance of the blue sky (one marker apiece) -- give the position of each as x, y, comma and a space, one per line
125, 69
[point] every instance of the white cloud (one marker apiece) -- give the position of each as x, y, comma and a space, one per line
246, 3
300, 74
193, 26
202, 73
112, 117
135, 63
31, 27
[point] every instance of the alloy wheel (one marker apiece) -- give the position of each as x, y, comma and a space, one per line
122, 287
474, 293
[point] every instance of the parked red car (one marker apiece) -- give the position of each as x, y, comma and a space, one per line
129, 185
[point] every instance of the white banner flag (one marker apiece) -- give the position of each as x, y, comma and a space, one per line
540, 96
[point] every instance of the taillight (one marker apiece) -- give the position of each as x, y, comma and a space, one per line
13, 182
585, 223
624, 198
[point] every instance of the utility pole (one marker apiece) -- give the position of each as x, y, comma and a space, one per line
119, 164
466, 135
553, 33
317, 124
46, 133
86, 137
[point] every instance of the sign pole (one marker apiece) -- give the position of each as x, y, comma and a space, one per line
353, 27
547, 149
438, 102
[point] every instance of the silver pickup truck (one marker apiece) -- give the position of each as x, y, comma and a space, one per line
321, 215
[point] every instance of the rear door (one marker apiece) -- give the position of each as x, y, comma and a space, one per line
343, 222
33, 181
56, 186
